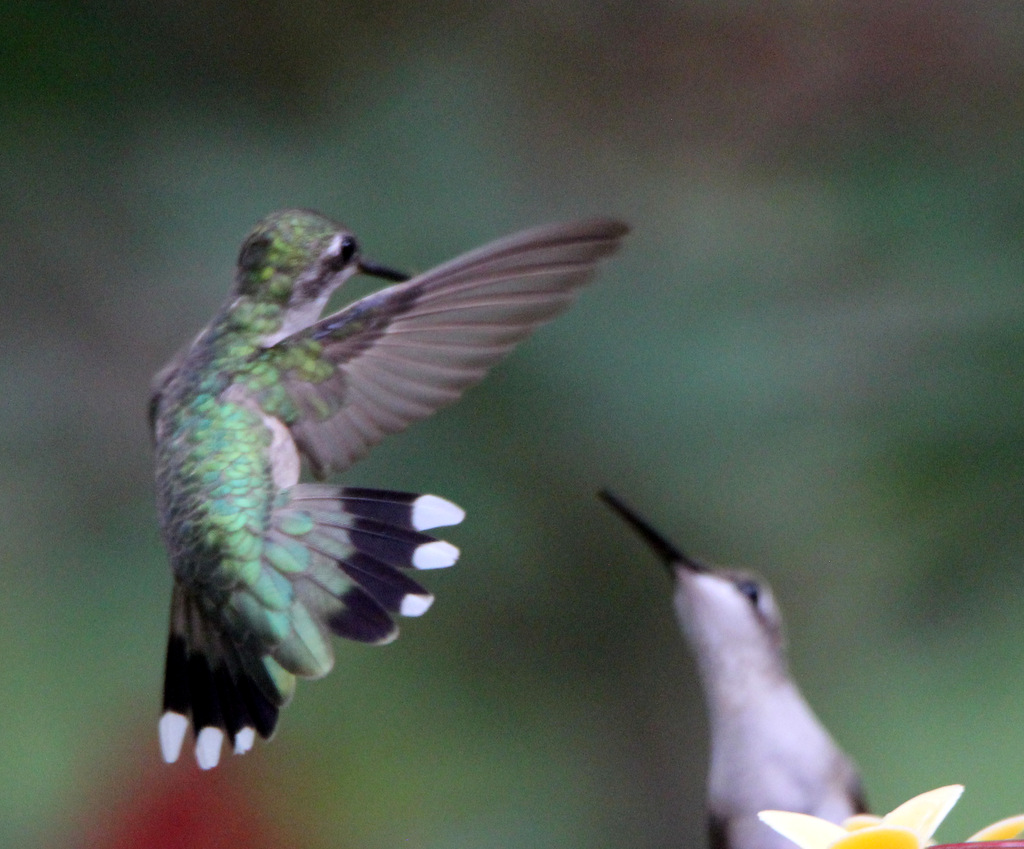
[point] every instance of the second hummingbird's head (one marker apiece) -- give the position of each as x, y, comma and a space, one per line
293, 260
732, 620
730, 617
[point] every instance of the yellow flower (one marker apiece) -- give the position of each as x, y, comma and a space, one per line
910, 826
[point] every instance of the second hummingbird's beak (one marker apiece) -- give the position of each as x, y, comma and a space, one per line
375, 270
671, 555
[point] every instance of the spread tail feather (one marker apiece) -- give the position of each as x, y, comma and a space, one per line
333, 560
216, 686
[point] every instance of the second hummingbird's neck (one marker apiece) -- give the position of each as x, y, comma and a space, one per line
738, 680
734, 663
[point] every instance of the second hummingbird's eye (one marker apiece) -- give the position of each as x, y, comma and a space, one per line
346, 250
750, 589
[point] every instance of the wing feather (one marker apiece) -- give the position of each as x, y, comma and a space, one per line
402, 353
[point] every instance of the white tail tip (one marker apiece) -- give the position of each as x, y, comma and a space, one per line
244, 740
416, 605
208, 747
435, 555
431, 511
172, 728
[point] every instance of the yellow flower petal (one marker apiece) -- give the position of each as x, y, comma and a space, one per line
923, 813
879, 837
1002, 830
859, 821
805, 831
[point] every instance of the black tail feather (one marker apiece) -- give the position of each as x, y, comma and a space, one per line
388, 586
362, 619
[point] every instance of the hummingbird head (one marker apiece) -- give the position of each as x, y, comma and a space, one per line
730, 617
293, 260
729, 611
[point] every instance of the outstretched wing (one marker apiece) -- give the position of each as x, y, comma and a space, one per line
399, 354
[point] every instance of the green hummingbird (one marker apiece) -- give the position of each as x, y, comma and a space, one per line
266, 568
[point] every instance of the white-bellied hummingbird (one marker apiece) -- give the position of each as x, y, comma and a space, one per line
768, 749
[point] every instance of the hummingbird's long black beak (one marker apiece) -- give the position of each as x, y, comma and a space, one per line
375, 270
671, 555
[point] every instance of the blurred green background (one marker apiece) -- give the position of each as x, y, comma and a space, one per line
808, 360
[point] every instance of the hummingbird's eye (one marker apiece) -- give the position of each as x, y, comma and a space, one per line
750, 589
346, 250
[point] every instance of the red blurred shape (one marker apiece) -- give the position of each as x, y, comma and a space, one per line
1016, 843
186, 809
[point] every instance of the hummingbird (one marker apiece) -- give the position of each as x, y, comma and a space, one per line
265, 567
768, 749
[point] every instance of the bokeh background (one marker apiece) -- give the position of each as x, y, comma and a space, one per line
809, 360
